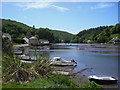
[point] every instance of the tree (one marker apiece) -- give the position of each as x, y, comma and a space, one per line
6, 46
33, 26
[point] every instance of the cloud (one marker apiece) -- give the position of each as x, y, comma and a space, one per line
60, 8
36, 5
102, 5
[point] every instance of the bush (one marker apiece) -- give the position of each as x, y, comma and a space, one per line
18, 40
61, 79
91, 85
7, 46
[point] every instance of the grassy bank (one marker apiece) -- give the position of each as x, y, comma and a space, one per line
37, 75
54, 81
16, 74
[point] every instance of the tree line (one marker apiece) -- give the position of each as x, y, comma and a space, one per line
102, 34
19, 30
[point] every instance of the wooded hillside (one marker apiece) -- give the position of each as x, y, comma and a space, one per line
19, 30
102, 34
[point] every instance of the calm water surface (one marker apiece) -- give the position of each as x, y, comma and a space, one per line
103, 59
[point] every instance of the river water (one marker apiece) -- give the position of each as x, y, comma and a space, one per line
102, 59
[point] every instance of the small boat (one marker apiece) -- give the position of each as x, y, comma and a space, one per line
61, 72
57, 61
103, 79
17, 52
28, 58
26, 61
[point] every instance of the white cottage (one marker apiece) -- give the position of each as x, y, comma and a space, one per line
88, 41
7, 35
26, 40
33, 41
116, 40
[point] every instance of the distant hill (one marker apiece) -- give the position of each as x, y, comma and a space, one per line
102, 34
62, 35
19, 30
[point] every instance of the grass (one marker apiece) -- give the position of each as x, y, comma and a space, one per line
54, 81
92, 85
47, 80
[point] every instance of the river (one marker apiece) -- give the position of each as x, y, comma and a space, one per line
102, 59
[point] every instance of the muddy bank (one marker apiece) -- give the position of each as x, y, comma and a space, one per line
76, 76
79, 77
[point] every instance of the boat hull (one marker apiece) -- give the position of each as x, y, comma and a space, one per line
104, 81
64, 64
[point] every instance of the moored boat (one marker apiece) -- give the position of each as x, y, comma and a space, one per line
103, 79
17, 52
26, 61
57, 61
61, 72
28, 58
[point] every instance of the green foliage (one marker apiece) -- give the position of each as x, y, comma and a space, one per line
115, 35
38, 83
61, 79
115, 29
52, 82
14, 69
37, 73
6, 46
102, 34
14, 28
62, 35
18, 40
19, 30
44, 33
92, 85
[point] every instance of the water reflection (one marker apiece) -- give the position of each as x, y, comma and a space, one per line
37, 50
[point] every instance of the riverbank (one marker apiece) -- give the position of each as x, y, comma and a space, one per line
26, 45
53, 81
92, 55
21, 45
82, 79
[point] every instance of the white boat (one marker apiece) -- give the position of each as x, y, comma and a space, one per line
26, 61
103, 79
17, 52
61, 72
28, 58
57, 61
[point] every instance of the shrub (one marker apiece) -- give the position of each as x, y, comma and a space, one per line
6, 46
18, 40
61, 79
91, 85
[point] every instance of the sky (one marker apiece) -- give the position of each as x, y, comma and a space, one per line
72, 17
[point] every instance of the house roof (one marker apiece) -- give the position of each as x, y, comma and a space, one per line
6, 34
33, 38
